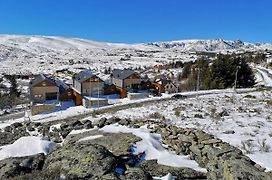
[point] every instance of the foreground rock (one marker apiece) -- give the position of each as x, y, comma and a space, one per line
156, 169
17, 166
222, 160
85, 157
81, 161
98, 155
12, 133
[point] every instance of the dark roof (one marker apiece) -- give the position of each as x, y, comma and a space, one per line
106, 86
122, 74
62, 85
39, 78
83, 75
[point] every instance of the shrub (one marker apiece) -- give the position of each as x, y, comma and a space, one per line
247, 146
156, 115
250, 96
263, 146
177, 113
200, 116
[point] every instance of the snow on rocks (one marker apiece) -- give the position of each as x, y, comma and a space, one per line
90, 138
152, 146
166, 177
241, 119
81, 131
26, 146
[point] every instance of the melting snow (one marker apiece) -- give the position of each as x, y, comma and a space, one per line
26, 146
90, 138
153, 148
166, 177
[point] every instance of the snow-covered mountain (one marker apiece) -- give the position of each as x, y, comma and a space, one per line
200, 45
62, 43
210, 45
34, 54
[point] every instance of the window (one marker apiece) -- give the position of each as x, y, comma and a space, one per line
43, 84
69, 93
127, 86
38, 96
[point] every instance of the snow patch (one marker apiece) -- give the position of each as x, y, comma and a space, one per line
153, 148
166, 177
90, 138
81, 131
26, 146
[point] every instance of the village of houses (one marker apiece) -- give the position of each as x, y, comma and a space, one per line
48, 93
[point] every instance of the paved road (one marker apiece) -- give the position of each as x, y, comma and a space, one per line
116, 108
266, 76
16, 115
109, 109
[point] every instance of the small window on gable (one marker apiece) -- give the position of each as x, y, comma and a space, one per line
38, 95
69, 93
43, 84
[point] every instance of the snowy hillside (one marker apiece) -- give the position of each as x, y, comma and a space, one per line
35, 54
209, 45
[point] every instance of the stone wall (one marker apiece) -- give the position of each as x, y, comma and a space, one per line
38, 109
132, 96
94, 102
222, 160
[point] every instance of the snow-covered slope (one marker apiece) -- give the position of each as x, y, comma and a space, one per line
60, 43
209, 45
36, 54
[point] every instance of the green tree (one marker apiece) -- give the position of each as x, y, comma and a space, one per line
223, 71
186, 71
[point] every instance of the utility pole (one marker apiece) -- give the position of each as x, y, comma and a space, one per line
90, 93
236, 77
197, 84
98, 91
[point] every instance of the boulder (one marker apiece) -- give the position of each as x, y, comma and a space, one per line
81, 161
87, 124
239, 169
125, 122
55, 137
155, 169
137, 173
16, 125
13, 167
113, 120
101, 122
12, 134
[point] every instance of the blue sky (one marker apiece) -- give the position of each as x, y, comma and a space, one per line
139, 20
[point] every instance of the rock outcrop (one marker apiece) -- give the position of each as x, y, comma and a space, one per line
95, 154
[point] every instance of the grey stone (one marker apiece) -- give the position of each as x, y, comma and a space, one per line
155, 169
13, 167
87, 124
101, 122
81, 161
137, 173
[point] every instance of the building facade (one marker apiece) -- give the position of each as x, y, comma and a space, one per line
88, 84
43, 88
126, 79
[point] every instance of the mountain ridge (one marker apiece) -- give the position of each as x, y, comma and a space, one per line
59, 42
